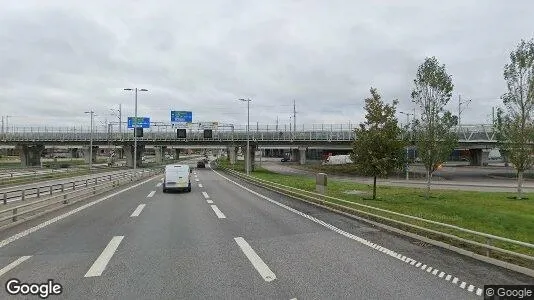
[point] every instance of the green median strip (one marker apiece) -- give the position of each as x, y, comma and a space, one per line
488, 212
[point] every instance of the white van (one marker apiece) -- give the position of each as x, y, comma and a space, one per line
177, 177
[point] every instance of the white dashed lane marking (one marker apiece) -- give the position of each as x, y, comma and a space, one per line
355, 238
218, 212
12, 265
256, 261
209, 201
102, 261
200, 185
138, 210
205, 195
159, 184
151, 194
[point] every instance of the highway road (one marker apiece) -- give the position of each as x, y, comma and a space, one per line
229, 240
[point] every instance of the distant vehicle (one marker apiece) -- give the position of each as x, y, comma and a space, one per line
284, 159
177, 177
201, 164
338, 160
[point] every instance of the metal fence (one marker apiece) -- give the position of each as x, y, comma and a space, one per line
265, 132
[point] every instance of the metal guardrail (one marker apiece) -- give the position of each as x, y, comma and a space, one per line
39, 206
324, 200
44, 190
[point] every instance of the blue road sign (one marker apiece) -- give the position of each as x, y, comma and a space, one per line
181, 116
141, 122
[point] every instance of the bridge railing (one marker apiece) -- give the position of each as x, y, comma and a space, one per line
319, 132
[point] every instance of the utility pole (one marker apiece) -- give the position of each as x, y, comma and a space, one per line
92, 113
276, 123
408, 128
460, 103
294, 119
135, 124
247, 157
2, 125
120, 119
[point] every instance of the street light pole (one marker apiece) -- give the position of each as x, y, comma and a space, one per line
135, 124
91, 140
407, 127
247, 157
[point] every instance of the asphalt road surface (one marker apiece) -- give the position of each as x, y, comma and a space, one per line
228, 240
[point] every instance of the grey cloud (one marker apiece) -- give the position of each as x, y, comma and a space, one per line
64, 58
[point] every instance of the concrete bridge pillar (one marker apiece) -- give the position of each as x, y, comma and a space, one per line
74, 153
232, 154
159, 152
86, 154
479, 157
129, 152
294, 155
251, 156
30, 155
177, 153
302, 155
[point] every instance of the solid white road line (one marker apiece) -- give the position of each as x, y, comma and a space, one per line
12, 265
218, 212
159, 184
138, 210
151, 194
102, 261
256, 261
209, 201
205, 195
26, 232
200, 185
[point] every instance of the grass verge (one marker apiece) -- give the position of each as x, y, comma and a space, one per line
488, 212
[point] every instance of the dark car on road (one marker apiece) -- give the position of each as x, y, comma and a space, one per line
201, 164
285, 159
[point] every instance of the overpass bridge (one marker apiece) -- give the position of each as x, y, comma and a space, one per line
31, 141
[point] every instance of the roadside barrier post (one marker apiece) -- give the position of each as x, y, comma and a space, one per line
320, 183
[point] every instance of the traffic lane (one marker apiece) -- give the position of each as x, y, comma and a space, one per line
65, 250
317, 262
469, 269
179, 249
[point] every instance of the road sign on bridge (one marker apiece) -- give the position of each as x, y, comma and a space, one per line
142, 122
181, 116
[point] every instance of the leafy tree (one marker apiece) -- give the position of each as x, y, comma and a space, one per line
435, 140
515, 127
378, 151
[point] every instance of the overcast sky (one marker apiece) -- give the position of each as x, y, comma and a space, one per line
61, 58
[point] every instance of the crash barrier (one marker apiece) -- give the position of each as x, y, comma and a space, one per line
512, 253
78, 190
24, 176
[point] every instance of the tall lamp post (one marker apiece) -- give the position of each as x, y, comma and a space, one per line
92, 113
135, 123
247, 157
407, 126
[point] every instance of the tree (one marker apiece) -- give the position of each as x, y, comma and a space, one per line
435, 140
378, 149
515, 127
